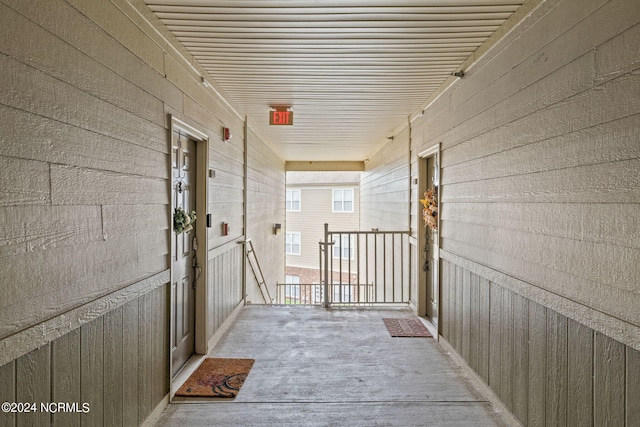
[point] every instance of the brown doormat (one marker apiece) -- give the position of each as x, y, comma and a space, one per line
217, 378
406, 327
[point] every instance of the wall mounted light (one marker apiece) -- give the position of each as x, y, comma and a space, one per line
276, 228
459, 74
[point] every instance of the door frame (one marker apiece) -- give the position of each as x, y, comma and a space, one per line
421, 241
202, 190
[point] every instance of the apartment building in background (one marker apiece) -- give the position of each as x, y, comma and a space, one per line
313, 199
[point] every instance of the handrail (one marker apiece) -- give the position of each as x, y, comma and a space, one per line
257, 270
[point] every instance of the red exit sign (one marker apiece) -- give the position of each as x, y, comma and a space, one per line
280, 117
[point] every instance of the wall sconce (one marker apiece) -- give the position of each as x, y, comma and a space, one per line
277, 228
225, 229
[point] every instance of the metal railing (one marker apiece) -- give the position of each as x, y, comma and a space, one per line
252, 259
356, 268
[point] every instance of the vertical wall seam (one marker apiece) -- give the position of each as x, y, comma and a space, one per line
15, 386
51, 368
80, 364
123, 358
50, 185
104, 236
488, 361
566, 371
593, 377
546, 364
624, 389
104, 380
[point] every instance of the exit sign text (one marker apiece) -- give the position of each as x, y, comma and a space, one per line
280, 117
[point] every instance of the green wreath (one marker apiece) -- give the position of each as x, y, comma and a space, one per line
183, 221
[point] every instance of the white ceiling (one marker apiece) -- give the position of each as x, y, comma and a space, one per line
352, 70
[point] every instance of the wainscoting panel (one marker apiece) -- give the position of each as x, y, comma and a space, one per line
544, 366
118, 370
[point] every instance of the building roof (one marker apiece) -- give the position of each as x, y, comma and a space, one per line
323, 178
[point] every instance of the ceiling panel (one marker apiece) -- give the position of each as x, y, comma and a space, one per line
352, 70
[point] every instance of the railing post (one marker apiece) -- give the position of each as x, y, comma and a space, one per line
326, 265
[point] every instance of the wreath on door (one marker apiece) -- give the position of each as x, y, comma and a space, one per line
183, 221
430, 208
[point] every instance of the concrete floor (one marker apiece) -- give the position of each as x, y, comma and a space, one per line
337, 367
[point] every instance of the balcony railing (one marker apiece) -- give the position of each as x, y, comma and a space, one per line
356, 268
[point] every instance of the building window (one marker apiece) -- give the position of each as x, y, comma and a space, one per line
293, 243
292, 288
343, 200
292, 280
318, 294
341, 292
343, 247
293, 200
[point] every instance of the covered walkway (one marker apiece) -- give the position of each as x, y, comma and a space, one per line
338, 367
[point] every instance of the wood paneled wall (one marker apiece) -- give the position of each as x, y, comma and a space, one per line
87, 90
225, 284
547, 369
117, 364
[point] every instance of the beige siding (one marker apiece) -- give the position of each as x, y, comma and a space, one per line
540, 159
86, 95
385, 185
265, 208
103, 223
539, 207
74, 148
